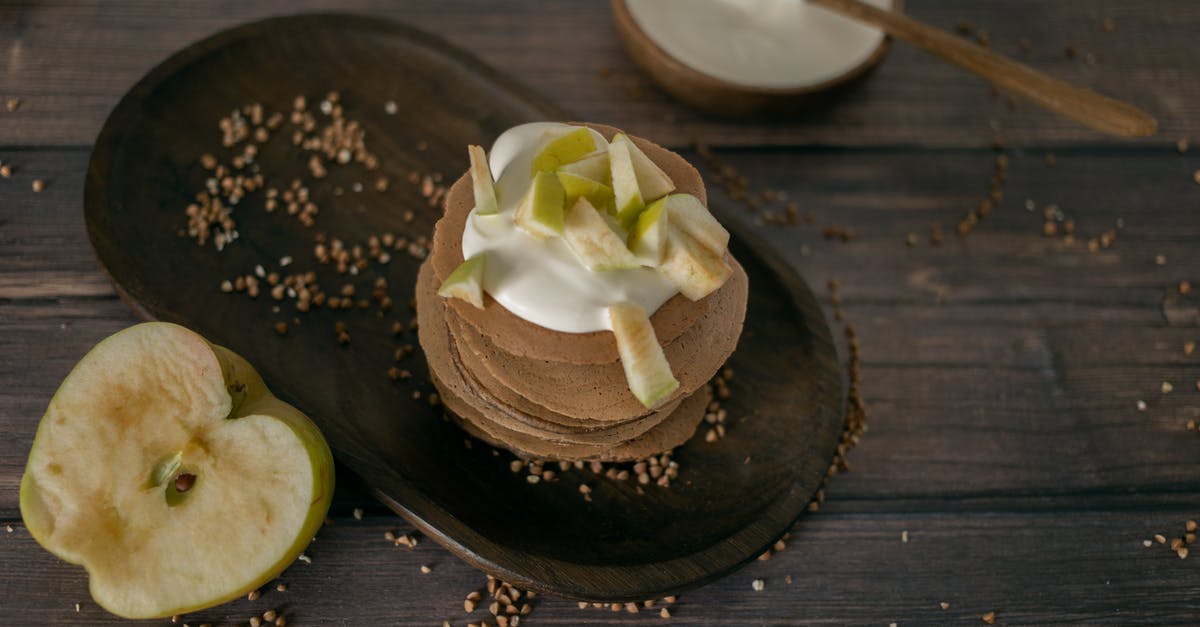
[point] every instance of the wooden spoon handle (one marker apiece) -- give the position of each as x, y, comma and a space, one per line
1082, 105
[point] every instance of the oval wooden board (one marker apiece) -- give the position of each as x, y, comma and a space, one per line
732, 499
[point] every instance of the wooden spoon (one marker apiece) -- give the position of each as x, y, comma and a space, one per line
1085, 106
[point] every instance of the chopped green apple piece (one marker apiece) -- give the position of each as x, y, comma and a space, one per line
593, 241
466, 282
646, 367
692, 217
481, 176
575, 187
694, 269
594, 166
652, 181
564, 149
541, 210
166, 468
629, 202
646, 239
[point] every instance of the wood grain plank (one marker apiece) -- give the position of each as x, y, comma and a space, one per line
1002, 370
844, 570
70, 77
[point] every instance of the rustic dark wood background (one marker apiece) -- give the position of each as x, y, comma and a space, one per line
1002, 371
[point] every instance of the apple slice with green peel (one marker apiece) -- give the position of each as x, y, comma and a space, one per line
466, 282
541, 210
564, 149
694, 269
481, 176
692, 217
646, 367
576, 187
652, 181
593, 241
166, 468
629, 201
648, 236
594, 166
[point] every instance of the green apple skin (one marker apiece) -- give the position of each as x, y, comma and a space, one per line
564, 149
629, 199
466, 281
247, 397
576, 187
541, 210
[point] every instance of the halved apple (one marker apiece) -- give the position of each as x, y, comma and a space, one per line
165, 467
481, 177
594, 166
648, 236
465, 282
571, 146
629, 200
691, 216
541, 210
646, 367
694, 269
597, 193
593, 241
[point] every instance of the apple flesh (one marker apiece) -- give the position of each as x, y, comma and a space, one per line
594, 242
646, 239
482, 182
594, 166
166, 468
576, 187
569, 147
629, 199
466, 282
647, 370
694, 269
540, 213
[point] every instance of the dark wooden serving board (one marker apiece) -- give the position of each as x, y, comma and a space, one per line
732, 499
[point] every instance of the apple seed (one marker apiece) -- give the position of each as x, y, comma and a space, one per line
184, 482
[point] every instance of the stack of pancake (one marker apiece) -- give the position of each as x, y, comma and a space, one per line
545, 394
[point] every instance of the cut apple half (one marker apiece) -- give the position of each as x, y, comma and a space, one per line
167, 469
594, 242
648, 236
594, 166
481, 177
692, 217
576, 187
629, 200
465, 282
564, 149
694, 269
541, 210
646, 367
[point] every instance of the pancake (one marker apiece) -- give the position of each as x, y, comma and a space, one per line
600, 392
564, 396
519, 337
475, 416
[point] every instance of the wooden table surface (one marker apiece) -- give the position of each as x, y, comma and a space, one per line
1003, 371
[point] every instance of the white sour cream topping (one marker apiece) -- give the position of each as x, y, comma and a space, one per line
542, 281
759, 43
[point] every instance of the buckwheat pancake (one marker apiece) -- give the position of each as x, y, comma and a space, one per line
519, 337
598, 392
510, 412
475, 415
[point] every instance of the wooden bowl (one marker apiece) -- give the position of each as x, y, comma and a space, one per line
724, 98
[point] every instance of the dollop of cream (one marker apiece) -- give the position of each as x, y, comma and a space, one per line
759, 43
542, 281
